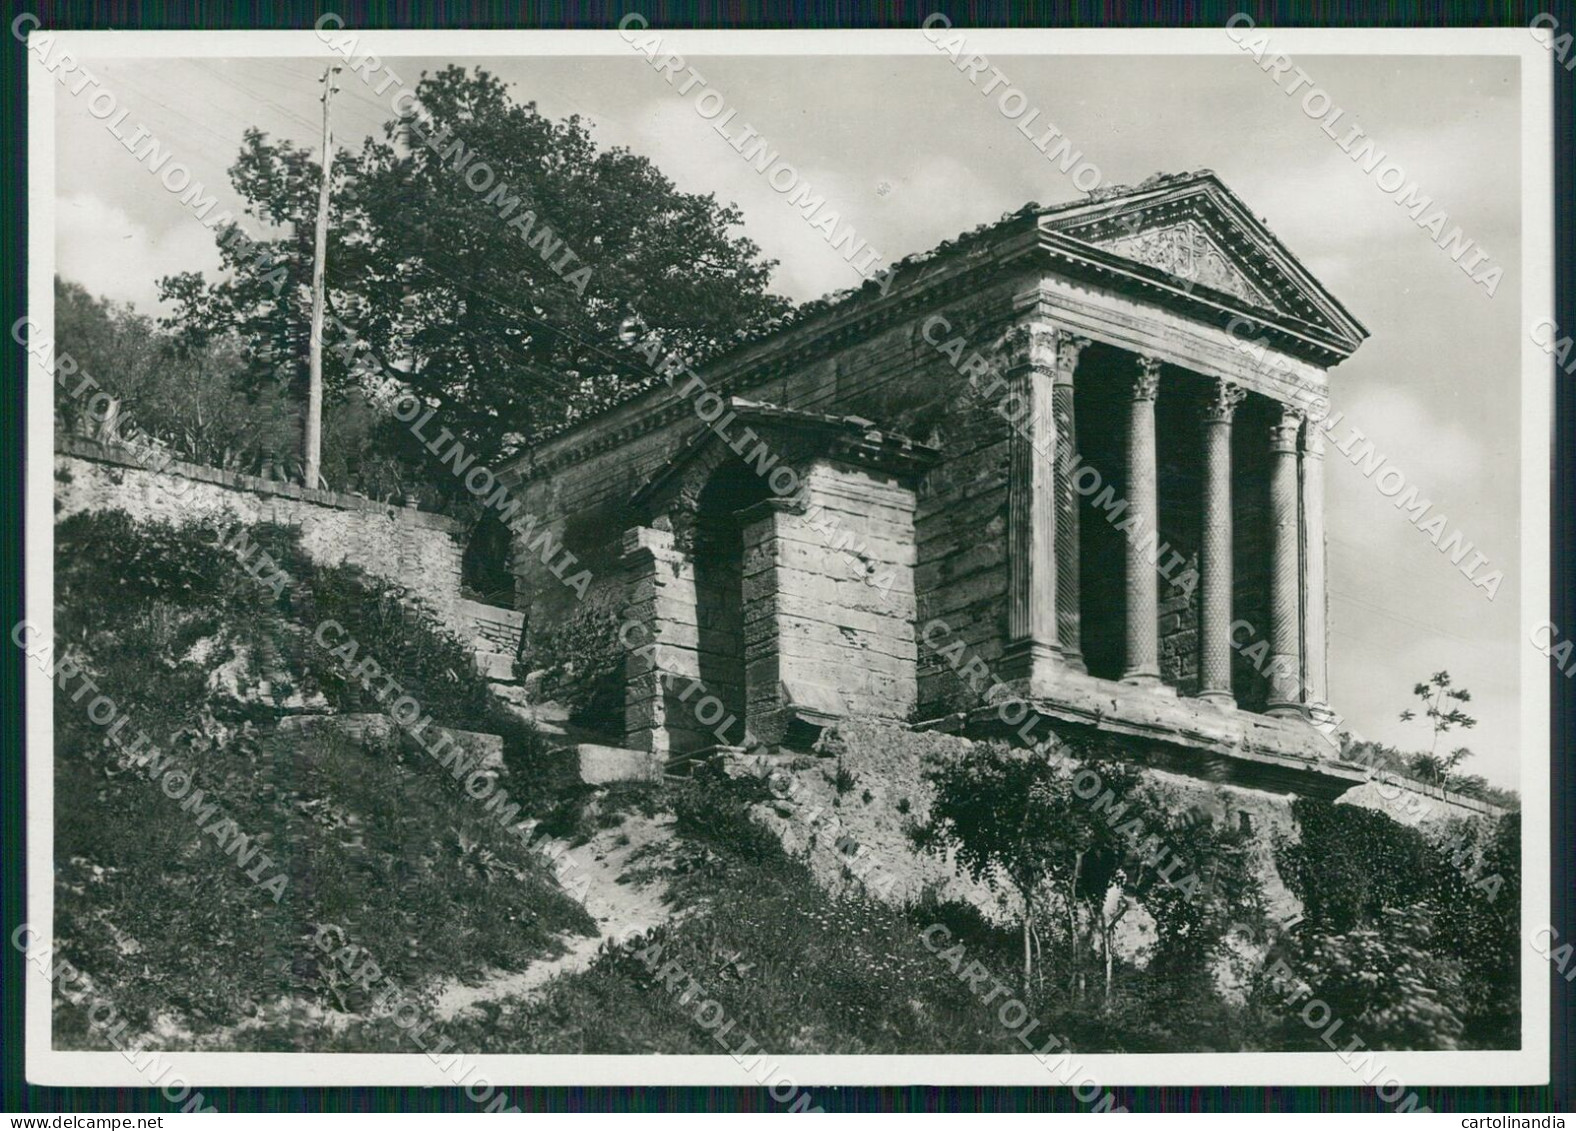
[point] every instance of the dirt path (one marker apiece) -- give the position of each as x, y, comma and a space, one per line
618, 908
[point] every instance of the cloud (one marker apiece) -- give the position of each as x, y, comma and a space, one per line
905, 208
1469, 172
1430, 448
100, 246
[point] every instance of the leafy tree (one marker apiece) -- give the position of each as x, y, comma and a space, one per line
1101, 876
1193, 920
1437, 770
1438, 699
103, 339
187, 397
1031, 821
1006, 814
501, 307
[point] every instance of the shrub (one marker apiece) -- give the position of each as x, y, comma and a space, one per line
1358, 872
1483, 928
582, 666
1385, 982
1350, 863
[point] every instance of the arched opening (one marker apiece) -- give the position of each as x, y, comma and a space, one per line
484, 566
720, 571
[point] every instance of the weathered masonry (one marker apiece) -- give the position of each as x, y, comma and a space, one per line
1068, 453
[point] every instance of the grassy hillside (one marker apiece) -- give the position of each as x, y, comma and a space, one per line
797, 970
153, 900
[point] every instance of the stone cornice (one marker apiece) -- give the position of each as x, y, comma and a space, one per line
755, 363
1026, 241
1198, 740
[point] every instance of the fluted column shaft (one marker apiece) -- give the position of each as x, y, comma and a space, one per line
1216, 580
1069, 618
1315, 676
1143, 588
1031, 506
1285, 666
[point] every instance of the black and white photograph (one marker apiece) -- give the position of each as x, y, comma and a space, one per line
790, 559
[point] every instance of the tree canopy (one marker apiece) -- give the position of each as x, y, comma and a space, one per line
482, 257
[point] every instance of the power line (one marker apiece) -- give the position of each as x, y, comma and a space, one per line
1399, 618
218, 76
191, 123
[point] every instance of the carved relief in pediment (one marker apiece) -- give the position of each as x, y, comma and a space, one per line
1185, 250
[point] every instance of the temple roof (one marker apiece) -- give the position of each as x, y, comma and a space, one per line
1192, 229
1183, 241
1182, 232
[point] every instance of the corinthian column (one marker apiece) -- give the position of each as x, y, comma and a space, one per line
1315, 658
1143, 589
1215, 600
1031, 507
1069, 625
1285, 667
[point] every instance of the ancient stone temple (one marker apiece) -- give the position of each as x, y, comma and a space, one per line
1065, 468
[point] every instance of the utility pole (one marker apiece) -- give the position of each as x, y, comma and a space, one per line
314, 395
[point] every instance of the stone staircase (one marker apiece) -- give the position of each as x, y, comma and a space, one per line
495, 636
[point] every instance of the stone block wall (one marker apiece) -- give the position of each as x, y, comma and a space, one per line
410, 548
578, 493
496, 628
661, 590
865, 822
494, 634
829, 602
1179, 437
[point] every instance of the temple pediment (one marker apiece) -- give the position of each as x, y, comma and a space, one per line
1195, 235
1186, 250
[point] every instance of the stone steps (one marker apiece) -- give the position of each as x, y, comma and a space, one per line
600, 764
497, 666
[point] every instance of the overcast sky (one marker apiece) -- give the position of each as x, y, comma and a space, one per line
911, 154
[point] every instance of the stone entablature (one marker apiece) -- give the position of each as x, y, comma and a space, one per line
1121, 370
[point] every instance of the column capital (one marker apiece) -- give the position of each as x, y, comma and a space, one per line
1068, 349
1221, 405
1146, 382
1283, 433
1030, 345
